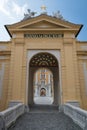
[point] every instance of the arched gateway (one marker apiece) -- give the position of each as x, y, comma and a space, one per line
43, 82
46, 45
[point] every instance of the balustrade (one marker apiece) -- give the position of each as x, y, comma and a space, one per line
78, 115
10, 115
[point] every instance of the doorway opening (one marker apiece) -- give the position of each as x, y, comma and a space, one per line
43, 92
41, 65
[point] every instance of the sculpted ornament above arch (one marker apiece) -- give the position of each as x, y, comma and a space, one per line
44, 59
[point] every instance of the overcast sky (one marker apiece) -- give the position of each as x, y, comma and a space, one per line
12, 11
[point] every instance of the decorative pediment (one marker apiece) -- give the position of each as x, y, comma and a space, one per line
43, 22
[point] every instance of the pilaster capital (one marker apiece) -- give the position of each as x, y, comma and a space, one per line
19, 41
68, 41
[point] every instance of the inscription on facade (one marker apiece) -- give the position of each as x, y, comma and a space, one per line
43, 35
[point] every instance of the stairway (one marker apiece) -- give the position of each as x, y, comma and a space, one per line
43, 108
44, 118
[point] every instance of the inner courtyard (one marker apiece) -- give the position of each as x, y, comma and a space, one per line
43, 86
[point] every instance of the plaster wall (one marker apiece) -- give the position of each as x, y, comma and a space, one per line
4, 79
65, 52
72, 68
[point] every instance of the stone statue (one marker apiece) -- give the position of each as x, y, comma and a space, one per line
29, 14
58, 15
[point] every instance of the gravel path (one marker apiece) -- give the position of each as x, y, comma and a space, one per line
44, 121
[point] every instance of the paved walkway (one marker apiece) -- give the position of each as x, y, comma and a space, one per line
43, 100
44, 121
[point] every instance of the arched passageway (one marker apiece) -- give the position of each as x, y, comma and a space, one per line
47, 62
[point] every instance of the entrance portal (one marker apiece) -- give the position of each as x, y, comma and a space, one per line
43, 79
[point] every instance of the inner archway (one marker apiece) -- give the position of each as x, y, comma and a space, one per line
43, 86
42, 92
47, 61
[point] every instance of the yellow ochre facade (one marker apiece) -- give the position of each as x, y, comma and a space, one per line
43, 41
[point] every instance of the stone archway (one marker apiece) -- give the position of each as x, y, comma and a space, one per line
49, 61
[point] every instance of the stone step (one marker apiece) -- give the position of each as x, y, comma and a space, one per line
44, 121
43, 108
47, 128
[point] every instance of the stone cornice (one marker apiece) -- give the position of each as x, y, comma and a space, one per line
81, 42
82, 53
41, 18
5, 53
65, 25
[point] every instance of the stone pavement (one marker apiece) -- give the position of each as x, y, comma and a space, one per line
46, 120
43, 100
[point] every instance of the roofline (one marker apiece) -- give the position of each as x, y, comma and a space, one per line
39, 16
8, 31
45, 16
81, 41
79, 30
